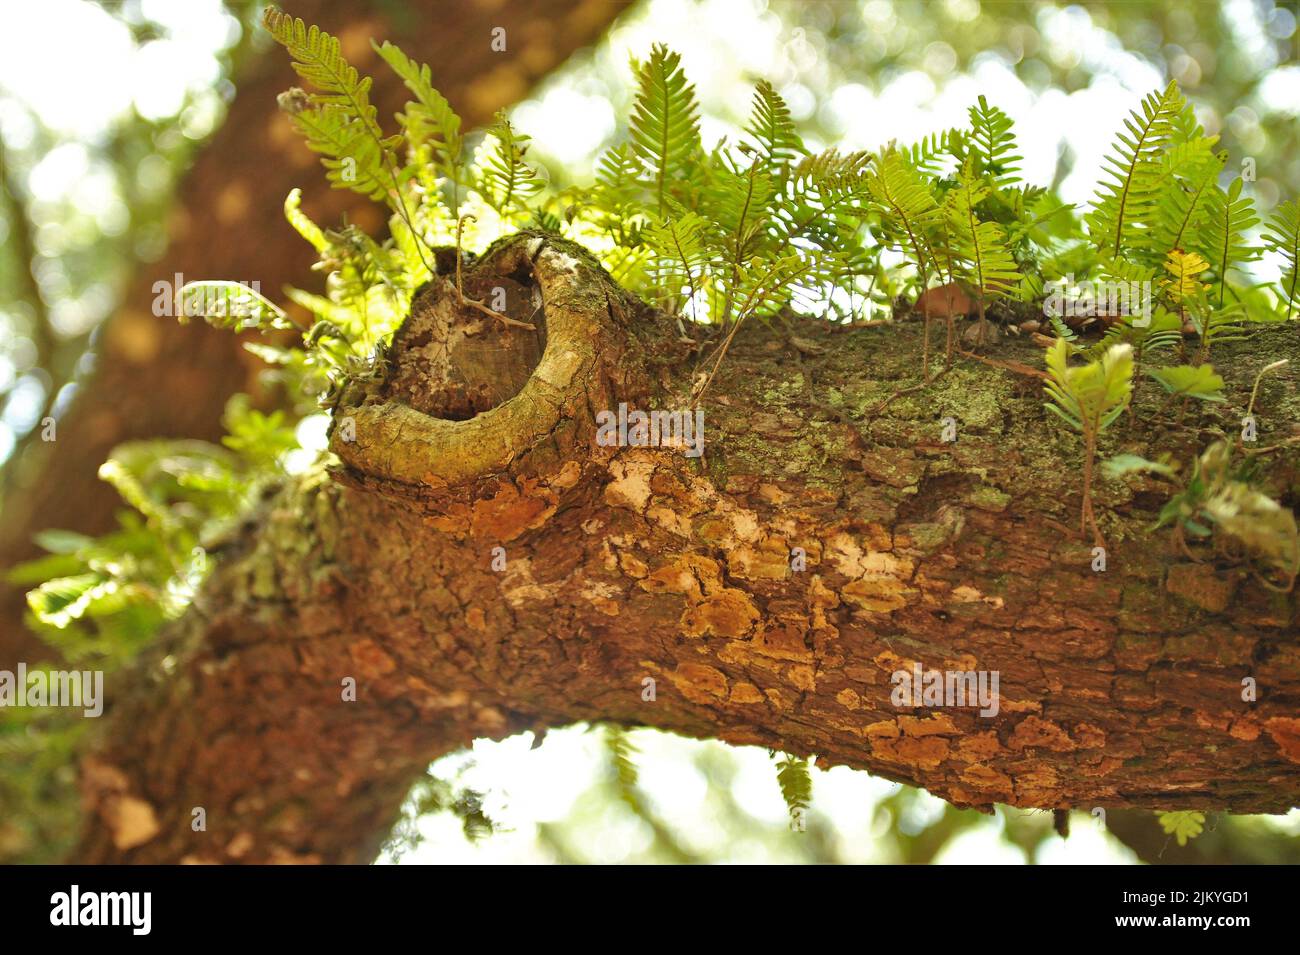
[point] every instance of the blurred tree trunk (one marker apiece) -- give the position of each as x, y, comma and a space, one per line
157, 378
479, 577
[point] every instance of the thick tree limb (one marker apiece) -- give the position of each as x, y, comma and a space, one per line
1118, 689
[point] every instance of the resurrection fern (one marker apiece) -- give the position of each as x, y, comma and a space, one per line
1184, 284
1217, 497
1125, 201
1182, 825
682, 248
993, 145
1192, 381
910, 220
339, 120
978, 249
431, 126
1229, 216
504, 180
622, 755
1188, 178
1089, 398
772, 129
795, 780
1282, 236
664, 125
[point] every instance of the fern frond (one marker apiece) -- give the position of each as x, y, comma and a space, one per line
502, 177
1088, 397
1123, 205
993, 144
622, 752
230, 305
927, 155
302, 224
1222, 240
352, 158
1282, 236
682, 246
795, 780
909, 204
1184, 268
664, 125
429, 119
1182, 825
1181, 206
980, 248
1195, 381
772, 128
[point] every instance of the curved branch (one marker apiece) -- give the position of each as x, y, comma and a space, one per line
644, 587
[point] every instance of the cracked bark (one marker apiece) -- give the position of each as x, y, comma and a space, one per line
1118, 689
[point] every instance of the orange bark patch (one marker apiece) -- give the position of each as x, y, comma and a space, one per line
728, 613
876, 594
1285, 731
508, 514
746, 693
371, 661
979, 747
699, 682
1034, 732
925, 753
937, 725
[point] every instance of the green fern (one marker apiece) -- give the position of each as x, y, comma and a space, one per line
993, 145
1183, 825
504, 180
1189, 175
795, 780
684, 257
1088, 398
909, 208
1228, 218
622, 755
429, 119
1124, 204
1282, 236
772, 129
1194, 381
664, 126
978, 248
338, 121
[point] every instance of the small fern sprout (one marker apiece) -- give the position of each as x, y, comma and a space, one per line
978, 248
1089, 398
910, 217
795, 780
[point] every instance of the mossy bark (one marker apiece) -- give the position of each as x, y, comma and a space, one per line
1118, 688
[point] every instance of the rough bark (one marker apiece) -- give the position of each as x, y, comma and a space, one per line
1118, 689
157, 378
